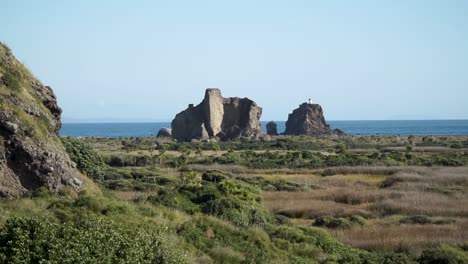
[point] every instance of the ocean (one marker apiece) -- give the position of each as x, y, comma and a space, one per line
381, 127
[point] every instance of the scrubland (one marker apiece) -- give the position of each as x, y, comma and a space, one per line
375, 199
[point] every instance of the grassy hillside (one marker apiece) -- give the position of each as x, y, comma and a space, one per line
31, 154
17, 94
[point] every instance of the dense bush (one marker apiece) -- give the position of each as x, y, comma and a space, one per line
86, 158
340, 222
217, 195
208, 234
444, 255
31, 240
311, 160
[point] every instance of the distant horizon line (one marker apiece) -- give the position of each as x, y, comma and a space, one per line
336, 120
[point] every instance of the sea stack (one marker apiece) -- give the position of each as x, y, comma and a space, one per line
31, 154
308, 119
217, 117
272, 128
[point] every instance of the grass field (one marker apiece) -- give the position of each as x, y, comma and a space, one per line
413, 208
287, 200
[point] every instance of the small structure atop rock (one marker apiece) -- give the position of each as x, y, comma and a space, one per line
308, 119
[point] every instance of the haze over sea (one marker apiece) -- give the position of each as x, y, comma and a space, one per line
365, 127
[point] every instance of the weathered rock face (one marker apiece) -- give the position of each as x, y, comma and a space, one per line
164, 132
308, 119
218, 117
272, 128
31, 154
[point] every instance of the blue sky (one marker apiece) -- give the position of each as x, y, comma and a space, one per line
146, 60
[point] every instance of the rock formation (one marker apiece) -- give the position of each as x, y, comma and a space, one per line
164, 132
31, 154
218, 117
272, 128
308, 119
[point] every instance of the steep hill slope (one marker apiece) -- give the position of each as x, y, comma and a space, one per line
31, 154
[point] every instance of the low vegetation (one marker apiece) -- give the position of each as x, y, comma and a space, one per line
287, 200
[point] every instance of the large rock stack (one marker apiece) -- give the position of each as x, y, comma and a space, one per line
308, 119
217, 117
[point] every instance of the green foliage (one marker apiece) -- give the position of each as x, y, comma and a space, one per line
301, 152
190, 179
340, 222
341, 148
213, 236
226, 255
444, 255
272, 185
42, 192
85, 157
226, 198
394, 258
11, 76
33, 240
176, 200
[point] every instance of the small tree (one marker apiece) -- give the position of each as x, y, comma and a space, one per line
341, 148
190, 178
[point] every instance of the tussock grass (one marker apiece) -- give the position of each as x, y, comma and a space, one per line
423, 203
386, 196
406, 238
309, 205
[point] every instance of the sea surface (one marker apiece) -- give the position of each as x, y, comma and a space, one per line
381, 127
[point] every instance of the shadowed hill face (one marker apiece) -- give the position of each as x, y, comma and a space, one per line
31, 154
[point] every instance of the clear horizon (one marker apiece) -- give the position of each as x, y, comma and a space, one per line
361, 60
137, 121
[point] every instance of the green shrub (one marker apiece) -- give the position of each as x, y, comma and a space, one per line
394, 258
31, 240
190, 178
226, 255
287, 233
215, 176
444, 255
87, 160
357, 219
176, 200
42, 192
206, 233
339, 222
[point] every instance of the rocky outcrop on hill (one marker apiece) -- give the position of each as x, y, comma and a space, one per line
31, 154
218, 117
308, 119
272, 128
164, 132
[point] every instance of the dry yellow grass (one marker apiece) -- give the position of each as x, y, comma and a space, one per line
129, 195
308, 204
402, 237
384, 197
